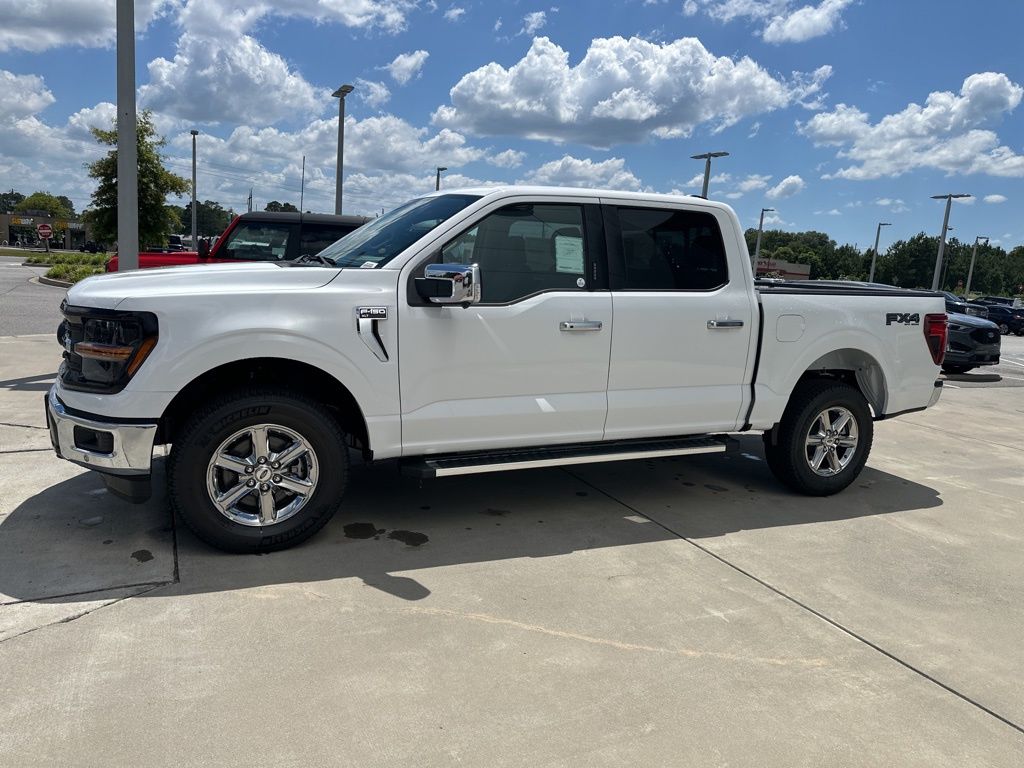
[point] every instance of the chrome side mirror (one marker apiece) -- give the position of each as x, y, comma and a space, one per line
450, 284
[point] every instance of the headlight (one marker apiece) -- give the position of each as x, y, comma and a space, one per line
103, 349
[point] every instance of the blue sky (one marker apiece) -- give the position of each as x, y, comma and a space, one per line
838, 113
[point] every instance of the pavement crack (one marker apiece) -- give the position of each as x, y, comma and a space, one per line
814, 612
692, 653
21, 426
75, 617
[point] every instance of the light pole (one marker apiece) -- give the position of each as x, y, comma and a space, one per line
195, 244
437, 179
874, 253
757, 246
340, 95
127, 141
942, 236
706, 157
970, 272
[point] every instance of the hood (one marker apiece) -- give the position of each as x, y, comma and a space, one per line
971, 322
109, 290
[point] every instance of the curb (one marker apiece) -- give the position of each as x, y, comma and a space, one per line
50, 281
34, 264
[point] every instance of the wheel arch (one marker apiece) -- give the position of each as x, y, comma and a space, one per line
857, 368
270, 371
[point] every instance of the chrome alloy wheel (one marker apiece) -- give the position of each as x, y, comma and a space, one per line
262, 475
831, 441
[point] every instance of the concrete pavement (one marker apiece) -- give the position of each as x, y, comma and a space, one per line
26, 307
673, 612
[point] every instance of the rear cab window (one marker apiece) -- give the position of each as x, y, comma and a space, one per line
260, 241
667, 249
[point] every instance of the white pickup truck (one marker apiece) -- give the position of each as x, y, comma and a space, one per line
475, 331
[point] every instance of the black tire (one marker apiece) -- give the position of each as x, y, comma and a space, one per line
956, 370
1004, 329
785, 446
207, 429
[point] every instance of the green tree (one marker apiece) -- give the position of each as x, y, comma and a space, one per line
8, 200
156, 183
275, 207
44, 201
211, 218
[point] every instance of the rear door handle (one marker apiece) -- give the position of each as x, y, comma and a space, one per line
712, 324
580, 325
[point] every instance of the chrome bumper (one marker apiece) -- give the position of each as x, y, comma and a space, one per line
131, 450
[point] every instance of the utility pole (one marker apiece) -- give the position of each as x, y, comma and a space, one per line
302, 187
437, 179
874, 253
340, 95
757, 246
250, 200
707, 168
127, 141
942, 237
970, 272
194, 133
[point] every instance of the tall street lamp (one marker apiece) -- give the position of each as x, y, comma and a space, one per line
194, 133
757, 246
340, 95
942, 236
706, 157
437, 179
127, 141
874, 253
970, 272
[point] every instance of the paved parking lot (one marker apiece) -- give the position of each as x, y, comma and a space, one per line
671, 612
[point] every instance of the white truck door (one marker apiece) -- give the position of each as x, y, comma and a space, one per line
528, 365
682, 322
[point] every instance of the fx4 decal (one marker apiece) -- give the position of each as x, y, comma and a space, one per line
902, 318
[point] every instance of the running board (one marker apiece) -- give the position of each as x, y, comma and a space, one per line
448, 465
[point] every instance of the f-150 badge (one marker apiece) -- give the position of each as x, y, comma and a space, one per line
373, 313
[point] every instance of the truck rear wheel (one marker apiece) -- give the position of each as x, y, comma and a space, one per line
258, 470
823, 440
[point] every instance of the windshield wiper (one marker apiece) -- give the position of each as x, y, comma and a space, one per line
315, 258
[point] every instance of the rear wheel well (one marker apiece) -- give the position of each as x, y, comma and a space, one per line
267, 371
856, 368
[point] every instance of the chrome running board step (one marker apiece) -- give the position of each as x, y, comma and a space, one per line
447, 465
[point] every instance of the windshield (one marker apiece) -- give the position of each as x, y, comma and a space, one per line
377, 243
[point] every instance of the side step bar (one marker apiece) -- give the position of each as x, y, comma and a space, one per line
448, 465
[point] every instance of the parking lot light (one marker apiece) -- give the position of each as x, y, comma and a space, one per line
942, 236
706, 157
437, 179
340, 95
970, 272
757, 246
874, 253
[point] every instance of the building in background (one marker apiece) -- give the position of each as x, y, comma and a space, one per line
786, 270
20, 228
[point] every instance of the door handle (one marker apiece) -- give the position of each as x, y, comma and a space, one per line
714, 324
580, 325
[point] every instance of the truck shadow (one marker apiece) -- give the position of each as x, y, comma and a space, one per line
392, 526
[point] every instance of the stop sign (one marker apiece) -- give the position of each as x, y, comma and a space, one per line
45, 231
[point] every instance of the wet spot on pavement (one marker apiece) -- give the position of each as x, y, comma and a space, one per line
716, 488
496, 512
409, 538
142, 555
362, 531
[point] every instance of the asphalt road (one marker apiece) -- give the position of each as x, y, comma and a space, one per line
26, 307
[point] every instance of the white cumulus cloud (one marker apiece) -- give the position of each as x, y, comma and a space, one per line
374, 93
947, 133
621, 91
406, 66
788, 187
572, 171
43, 24
534, 22
454, 13
995, 199
805, 23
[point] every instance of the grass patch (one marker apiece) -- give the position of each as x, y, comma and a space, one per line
88, 259
74, 272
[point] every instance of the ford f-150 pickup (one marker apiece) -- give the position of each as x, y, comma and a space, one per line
476, 331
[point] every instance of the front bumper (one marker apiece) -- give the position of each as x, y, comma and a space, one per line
123, 452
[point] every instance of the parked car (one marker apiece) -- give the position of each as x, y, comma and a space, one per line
473, 331
258, 236
91, 247
1008, 319
989, 300
972, 342
957, 306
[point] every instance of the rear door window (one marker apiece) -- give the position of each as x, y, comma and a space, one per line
671, 250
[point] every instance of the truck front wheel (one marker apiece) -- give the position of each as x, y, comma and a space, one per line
258, 470
823, 440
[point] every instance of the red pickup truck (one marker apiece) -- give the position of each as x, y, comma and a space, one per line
259, 236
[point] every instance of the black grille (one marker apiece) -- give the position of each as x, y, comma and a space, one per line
985, 335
